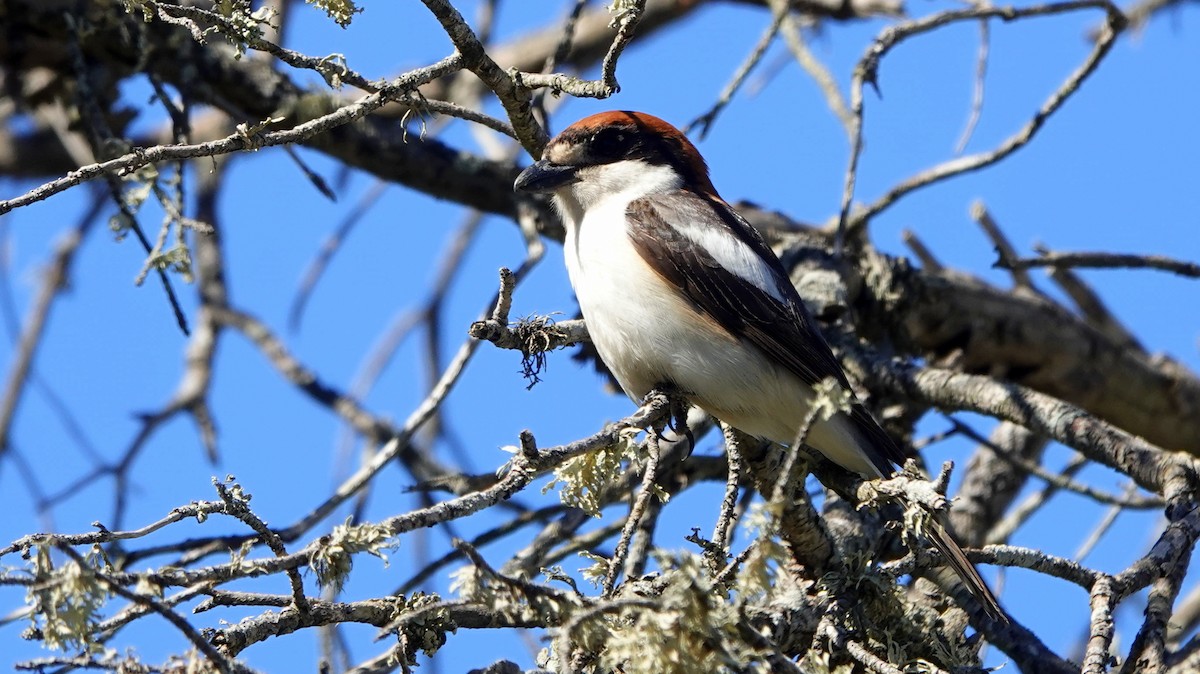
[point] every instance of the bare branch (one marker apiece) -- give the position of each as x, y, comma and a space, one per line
512, 95
1170, 474
236, 142
1094, 309
927, 258
980, 214
866, 73
808, 61
1101, 261
328, 249
55, 279
977, 91
637, 510
705, 121
1097, 658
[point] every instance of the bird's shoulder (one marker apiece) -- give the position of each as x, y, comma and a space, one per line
683, 227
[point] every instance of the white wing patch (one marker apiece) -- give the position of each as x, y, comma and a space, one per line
732, 254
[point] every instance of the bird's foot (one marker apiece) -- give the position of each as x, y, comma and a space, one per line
674, 405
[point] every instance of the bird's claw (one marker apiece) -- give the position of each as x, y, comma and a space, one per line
676, 417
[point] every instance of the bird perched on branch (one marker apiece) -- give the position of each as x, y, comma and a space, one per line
678, 290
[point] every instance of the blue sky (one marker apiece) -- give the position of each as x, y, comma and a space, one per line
1113, 170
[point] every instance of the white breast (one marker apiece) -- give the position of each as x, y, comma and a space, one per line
645, 331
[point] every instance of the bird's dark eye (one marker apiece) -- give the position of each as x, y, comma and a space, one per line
608, 143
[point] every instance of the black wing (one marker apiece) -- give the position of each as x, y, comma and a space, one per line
782, 329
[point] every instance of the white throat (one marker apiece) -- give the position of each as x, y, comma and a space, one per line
613, 185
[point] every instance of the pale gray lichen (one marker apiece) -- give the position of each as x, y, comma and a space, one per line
341, 11
583, 479
66, 600
692, 624
333, 558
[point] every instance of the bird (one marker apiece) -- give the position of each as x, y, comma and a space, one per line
679, 291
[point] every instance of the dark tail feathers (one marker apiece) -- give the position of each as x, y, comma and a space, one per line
957, 560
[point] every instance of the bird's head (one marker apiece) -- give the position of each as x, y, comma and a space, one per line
616, 154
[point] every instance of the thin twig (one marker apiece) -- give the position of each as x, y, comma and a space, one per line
1003, 530
601, 88
1129, 500
559, 55
1102, 261
332, 68
637, 509
99, 135
1170, 475
928, 261
723, 528
866, 73
116, 587
513, 96
237, 505
1011, 556
237, 142
494, 534
328, 249
980, 214
704, 123
977, 91
55, 280
69, 422
190, 511
1110, 517
819, 72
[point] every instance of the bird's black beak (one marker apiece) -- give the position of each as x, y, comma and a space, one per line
544, 176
